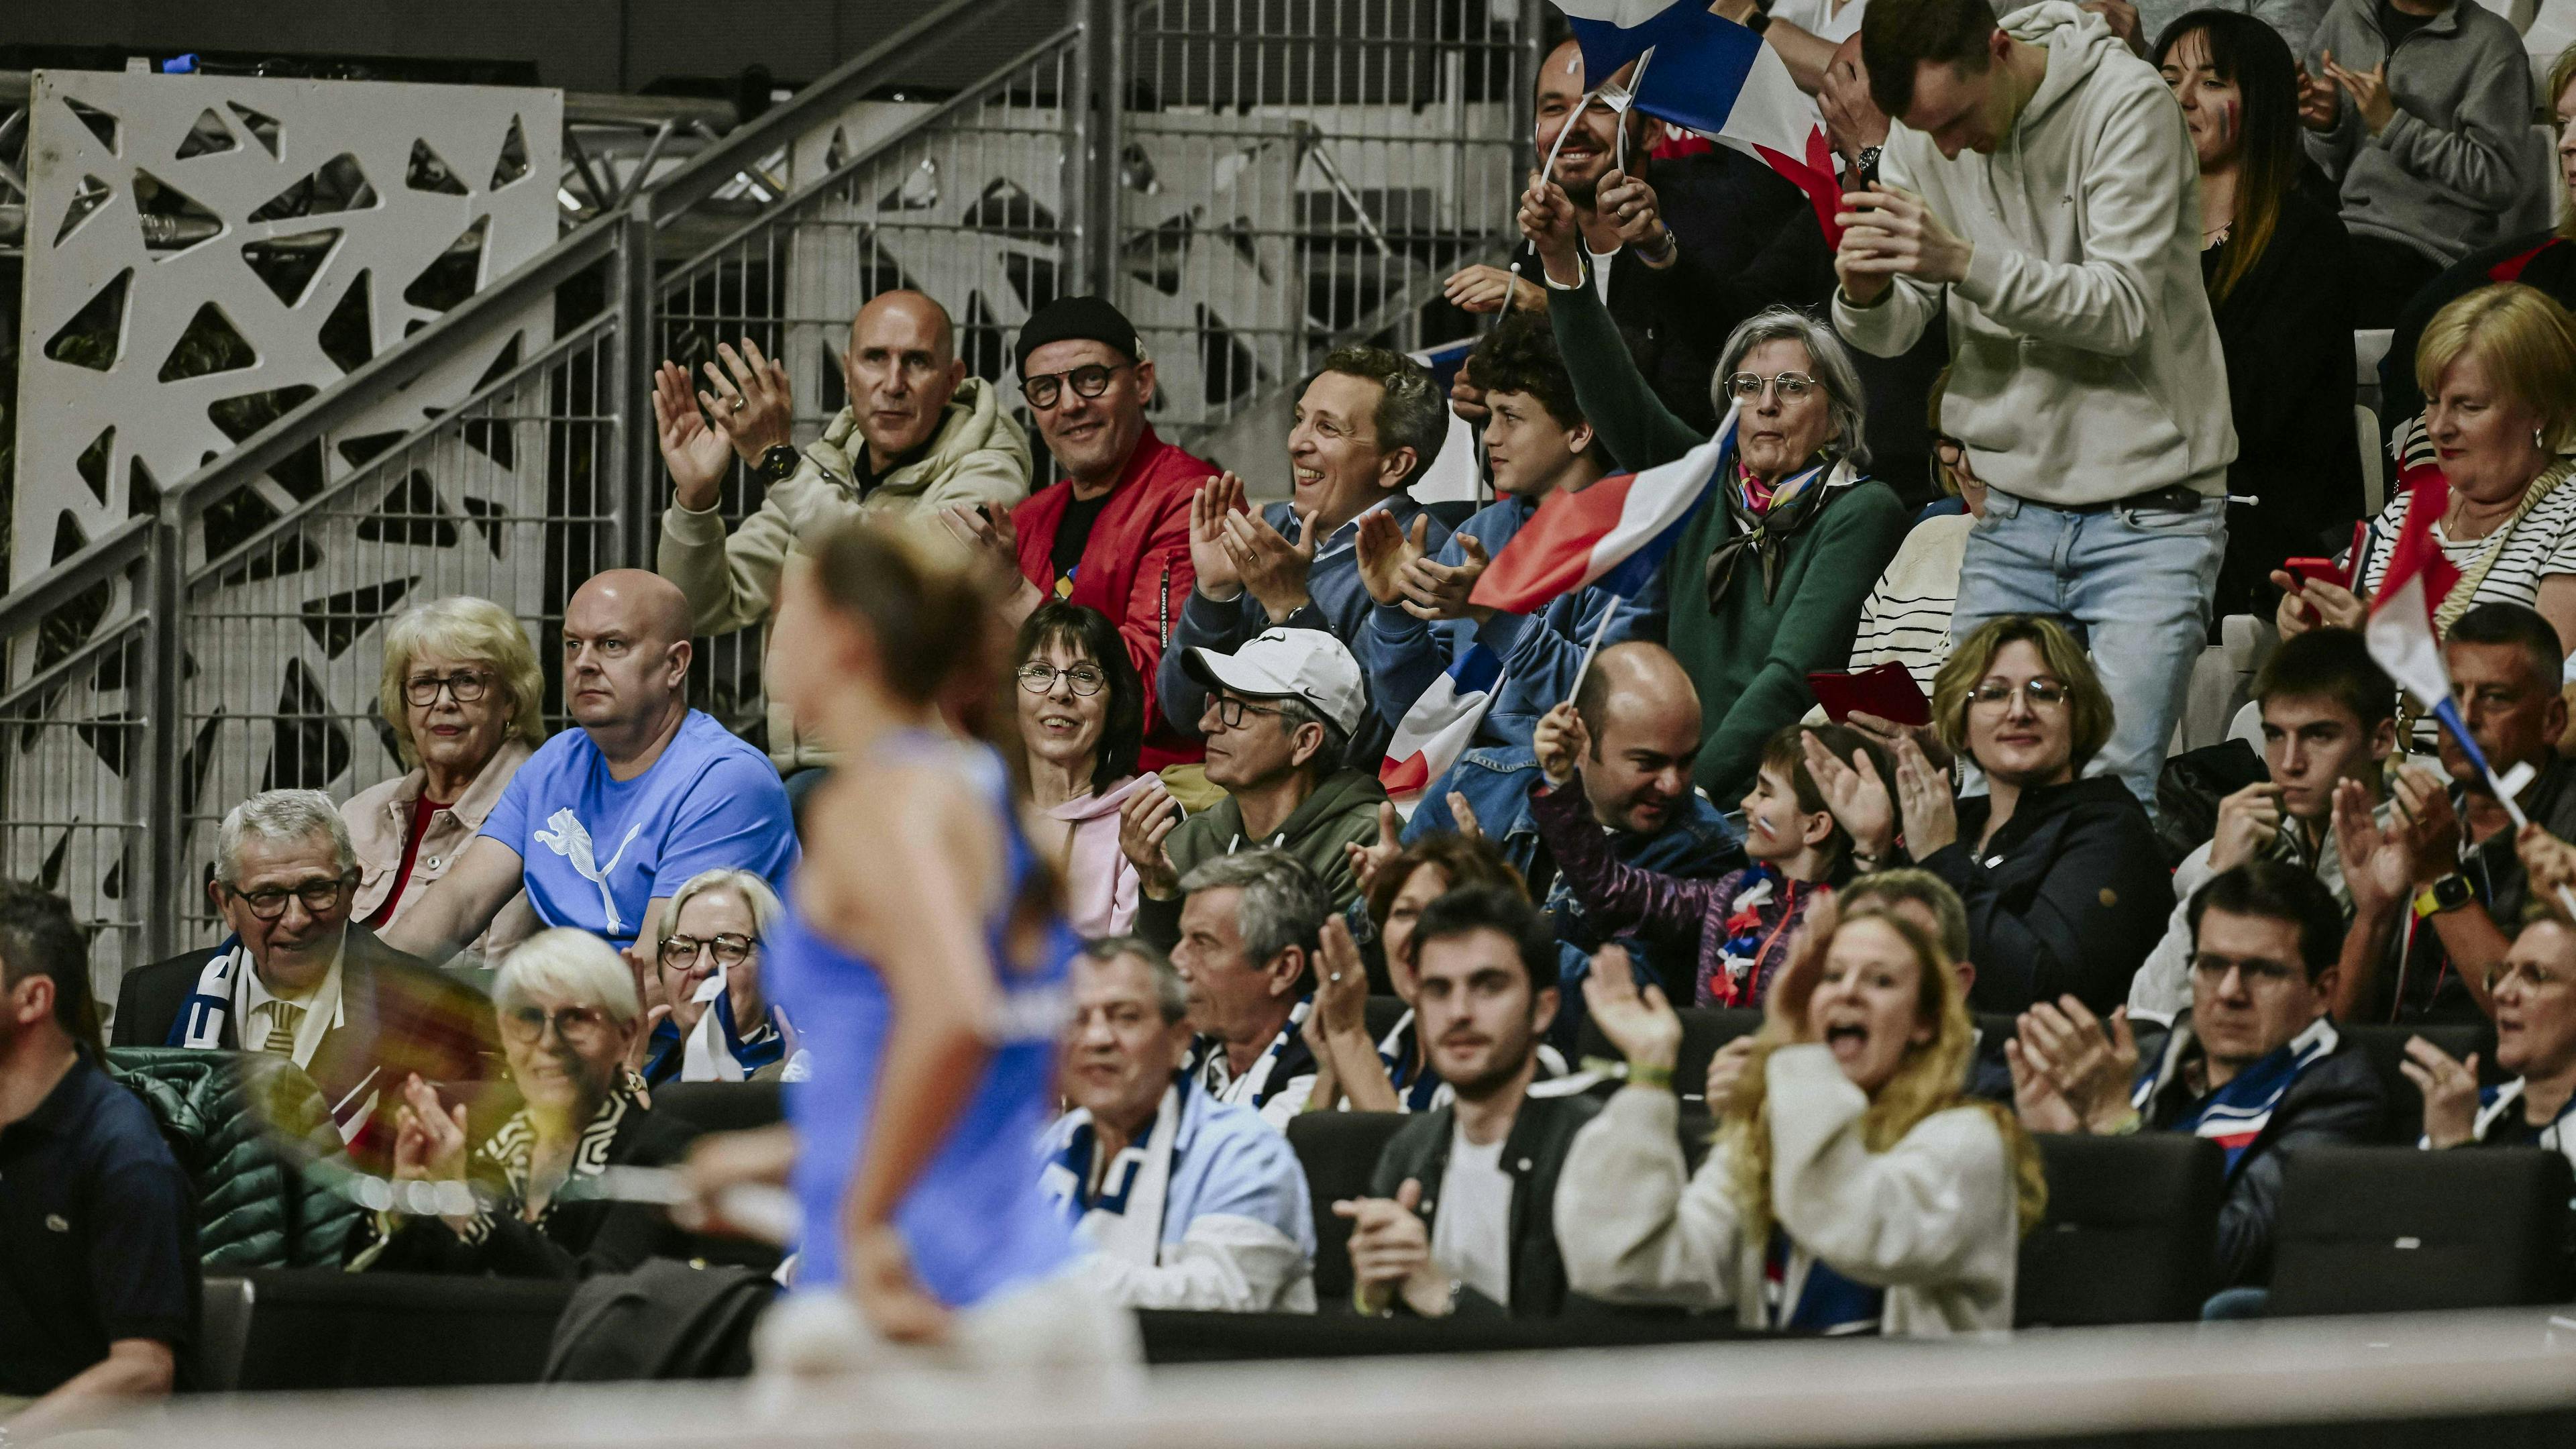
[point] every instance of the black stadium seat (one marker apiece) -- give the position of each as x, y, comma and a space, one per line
2131, 1232
2385, 1045
2392, 1229
1383, 1013
1704, 1030
721, 1106
1338, 1150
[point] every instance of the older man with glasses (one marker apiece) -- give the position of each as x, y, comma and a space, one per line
1114, 532
297, 978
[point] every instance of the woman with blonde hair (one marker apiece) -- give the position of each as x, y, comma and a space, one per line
459, 694
2498, 369
717, 1022
1853, 1188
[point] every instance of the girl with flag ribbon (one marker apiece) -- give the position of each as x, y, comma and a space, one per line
1774, 533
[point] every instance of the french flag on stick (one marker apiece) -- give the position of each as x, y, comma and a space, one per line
1715, 77
1614, 533
1440, 726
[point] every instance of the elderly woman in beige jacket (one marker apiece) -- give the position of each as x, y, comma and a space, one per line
1852, 1188
460, 692
918, 437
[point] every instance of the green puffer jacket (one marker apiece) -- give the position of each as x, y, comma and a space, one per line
255, 1207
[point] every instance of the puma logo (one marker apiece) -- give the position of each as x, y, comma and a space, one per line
571, 840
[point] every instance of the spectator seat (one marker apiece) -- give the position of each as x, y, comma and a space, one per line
2385, 1045
1339, 1151
2374, 459
722, 1106
1383, 1012
2391, 1229
2222, 679
2131, 1234
333, 1330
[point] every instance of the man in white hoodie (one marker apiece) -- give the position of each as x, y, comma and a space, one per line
2085, 376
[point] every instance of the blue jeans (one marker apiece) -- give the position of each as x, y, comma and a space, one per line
2133, 586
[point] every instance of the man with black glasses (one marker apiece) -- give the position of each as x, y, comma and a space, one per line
295, 977
1114, 532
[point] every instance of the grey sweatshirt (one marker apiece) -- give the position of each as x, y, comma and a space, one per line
2451, 164
2084, 365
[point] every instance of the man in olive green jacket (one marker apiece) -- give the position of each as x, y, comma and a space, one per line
918, 436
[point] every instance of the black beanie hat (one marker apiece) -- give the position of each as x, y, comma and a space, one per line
1077, 319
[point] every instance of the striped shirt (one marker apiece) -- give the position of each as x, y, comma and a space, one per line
2542, 545
1906, 619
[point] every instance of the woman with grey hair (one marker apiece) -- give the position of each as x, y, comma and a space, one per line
715, 1023
1767, 580
568, 1012
459, 694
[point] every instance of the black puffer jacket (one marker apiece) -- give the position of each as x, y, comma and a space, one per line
238, 1122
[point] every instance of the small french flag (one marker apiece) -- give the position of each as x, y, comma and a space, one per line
2399, 630
1715, 77
1614, 533
1440, 726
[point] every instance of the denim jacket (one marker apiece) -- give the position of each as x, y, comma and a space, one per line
1540, 653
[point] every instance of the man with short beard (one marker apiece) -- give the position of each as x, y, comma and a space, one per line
918, 435
1739, 239
1462, 1212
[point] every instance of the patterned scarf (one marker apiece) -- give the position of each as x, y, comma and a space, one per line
2236, 1114
513, 1149
1764, 519
1287, 1058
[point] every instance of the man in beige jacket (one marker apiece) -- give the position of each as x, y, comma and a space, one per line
918, 436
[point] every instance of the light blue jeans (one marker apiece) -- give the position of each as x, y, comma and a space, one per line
2133, 586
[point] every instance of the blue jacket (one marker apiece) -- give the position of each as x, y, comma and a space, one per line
1337, 603
1540, 653
1697, 845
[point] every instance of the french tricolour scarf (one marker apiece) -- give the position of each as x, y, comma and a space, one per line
1123, 1217
2236, 1114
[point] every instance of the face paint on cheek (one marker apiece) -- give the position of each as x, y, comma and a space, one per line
2229, 119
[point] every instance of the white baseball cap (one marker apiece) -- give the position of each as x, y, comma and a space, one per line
1306, 664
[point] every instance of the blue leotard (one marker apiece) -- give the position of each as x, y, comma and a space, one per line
975, 1221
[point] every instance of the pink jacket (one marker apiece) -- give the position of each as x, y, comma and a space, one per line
379, 815
1100, 885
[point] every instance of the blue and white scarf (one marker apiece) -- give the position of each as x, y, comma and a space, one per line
1287, 1058
1124, 1216
2236, 1114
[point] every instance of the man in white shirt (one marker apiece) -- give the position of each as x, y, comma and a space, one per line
1463, 1213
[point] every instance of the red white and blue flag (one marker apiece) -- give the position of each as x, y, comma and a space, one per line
1614, 533
1717, 78
1440, 726
2400, 628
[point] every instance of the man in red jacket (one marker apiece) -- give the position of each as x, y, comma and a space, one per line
1115, 534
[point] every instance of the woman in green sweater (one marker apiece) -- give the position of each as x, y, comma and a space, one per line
1770, 574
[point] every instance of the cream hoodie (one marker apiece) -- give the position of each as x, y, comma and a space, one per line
979, 455
2084, 365
1933, 1220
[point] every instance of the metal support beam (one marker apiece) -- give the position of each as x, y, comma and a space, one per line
1095, 117
631, 465
160, 583
1531, 44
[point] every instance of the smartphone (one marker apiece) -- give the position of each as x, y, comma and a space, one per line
2317, 570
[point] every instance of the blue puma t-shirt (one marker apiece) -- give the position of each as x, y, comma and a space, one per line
594, 851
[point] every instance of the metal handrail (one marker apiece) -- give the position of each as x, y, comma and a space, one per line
467, 323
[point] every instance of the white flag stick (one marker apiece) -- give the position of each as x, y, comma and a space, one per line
1593, 649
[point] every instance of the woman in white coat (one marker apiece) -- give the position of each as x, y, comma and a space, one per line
1852, 1187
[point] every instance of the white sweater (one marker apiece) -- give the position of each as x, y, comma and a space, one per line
2084, 363
1932, 1220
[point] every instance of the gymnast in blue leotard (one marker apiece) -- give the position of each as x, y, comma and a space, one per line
923, 960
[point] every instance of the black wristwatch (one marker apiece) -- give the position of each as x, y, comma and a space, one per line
1758, 21
778, 464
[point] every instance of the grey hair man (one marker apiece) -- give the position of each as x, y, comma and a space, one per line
1249, 929
296, 977
1367, 425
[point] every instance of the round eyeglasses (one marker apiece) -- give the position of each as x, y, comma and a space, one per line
1747, 386
1082, 679
1088, 381
464, 686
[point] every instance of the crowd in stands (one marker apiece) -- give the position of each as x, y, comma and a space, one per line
1067, 879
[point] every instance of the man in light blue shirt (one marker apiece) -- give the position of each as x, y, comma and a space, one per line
606, 820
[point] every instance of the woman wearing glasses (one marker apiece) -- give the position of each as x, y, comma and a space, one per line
1767, 581
2065, 883
1082, 721
718, 1025
568, 1011
459, 699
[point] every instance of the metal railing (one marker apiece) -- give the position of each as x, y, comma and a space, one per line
1282, 176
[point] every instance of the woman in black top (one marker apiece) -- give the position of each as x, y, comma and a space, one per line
2278, 266
568, 1014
